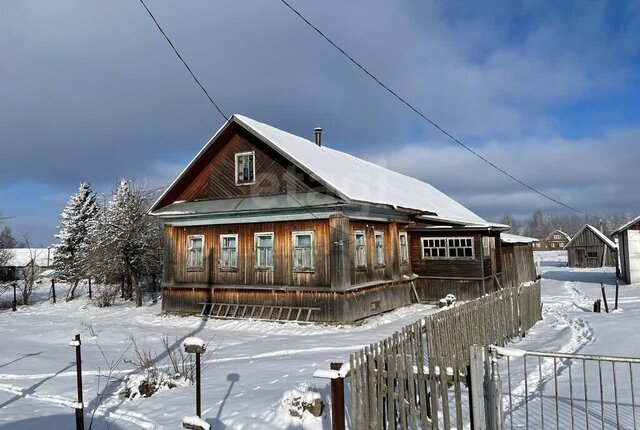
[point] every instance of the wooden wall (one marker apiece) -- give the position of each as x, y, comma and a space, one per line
335, 306
282, 273
518, 265
445, 268
587, 242
392, 268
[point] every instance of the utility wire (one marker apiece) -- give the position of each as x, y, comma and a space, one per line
184, 62
423, 116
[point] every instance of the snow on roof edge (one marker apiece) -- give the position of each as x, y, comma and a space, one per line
598, 233
514, 238
626, 226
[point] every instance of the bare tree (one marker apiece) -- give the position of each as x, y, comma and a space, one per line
28, 283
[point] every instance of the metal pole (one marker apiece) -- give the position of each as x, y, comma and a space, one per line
53, 289
80, 409
14, 305
90, 287
198, 399
617, 288
337, 400
604, 297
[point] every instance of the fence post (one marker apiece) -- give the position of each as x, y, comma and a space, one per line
80, 406
476, 387
53, 289
90, 294
337, 400
604, 297
14, 304
617, 288
494, 395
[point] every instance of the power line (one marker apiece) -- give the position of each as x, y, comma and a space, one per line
184, 62
423, 116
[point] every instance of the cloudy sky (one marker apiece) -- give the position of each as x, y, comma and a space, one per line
549, 90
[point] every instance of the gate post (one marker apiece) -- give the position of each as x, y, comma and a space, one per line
494, 395
337, 400
476, 387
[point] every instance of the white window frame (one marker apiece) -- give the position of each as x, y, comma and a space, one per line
446, 247
191, 266
253, 158
557, 237
295, 267
255, 250
363, 247
404, 253
222, 252
379, 262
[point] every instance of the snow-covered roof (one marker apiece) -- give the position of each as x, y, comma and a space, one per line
21, 257
350, 177
601, 235
514, 238
627, 225
558, 232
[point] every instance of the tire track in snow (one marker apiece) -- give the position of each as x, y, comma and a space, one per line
581, 335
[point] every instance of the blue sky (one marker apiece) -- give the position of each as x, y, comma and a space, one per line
549, 90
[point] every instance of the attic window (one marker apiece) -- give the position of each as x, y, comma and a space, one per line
245, 168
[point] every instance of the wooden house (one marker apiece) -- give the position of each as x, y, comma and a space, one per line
555, 241
263, 223
25, 261
591, 248
629, 251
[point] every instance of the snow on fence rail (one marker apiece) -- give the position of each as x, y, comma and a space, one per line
421, 372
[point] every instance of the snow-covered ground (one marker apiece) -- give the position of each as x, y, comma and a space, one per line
254, 366
257, 363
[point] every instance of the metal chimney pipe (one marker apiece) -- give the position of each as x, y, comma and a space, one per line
318, 131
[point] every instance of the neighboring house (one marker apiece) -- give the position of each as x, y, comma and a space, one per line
262, 217
555, 241
629, 251
591, 248
21, 260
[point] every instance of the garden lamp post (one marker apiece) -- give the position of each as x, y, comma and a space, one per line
195, 345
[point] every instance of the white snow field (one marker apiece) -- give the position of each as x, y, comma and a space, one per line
258, 364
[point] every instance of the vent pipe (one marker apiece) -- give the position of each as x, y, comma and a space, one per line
318, 131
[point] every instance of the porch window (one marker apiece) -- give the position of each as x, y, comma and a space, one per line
434, 248
404, 248
360, 249
303, 250
264, 250
379, 242
460, 247
447, 247
228, 251
195, 255
245, 168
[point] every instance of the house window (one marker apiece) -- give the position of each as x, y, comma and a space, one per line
264, 250
404, 248
379, 242
303, 250
228, 251
195, 255
245, 168
561, 245
592, 254
447, 247
460, 247
557, 237
553, 245
360, 249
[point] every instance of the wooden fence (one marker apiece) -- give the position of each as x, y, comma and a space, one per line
421, 371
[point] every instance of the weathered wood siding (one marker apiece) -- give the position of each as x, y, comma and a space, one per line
335, 306
176, 271
446, 268
517, 264
392, 269
587, 242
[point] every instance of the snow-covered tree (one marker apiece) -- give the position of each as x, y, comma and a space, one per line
125, 240
71, 253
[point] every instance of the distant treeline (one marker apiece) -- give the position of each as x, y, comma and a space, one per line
540, 225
